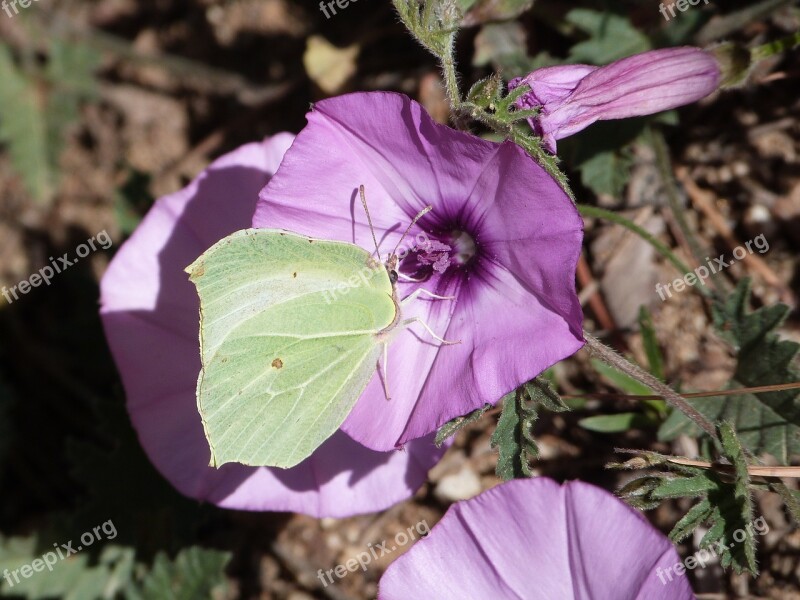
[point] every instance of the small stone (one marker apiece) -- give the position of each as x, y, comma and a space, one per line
459, 486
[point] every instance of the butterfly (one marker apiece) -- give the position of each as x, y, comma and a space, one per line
292, 329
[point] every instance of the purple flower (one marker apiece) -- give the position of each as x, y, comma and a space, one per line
503, 239
150, 314
572, 97
534, 538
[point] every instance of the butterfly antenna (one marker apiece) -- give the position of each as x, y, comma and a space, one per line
420, 214
369, 219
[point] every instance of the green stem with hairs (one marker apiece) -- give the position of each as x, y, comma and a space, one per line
775, 47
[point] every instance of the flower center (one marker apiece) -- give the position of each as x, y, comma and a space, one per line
454, 250
464, 247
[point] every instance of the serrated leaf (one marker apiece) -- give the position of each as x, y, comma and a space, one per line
696, 516
725, 503
453, 426
686, 487
513, 436
511, 439
72, 579
767, 422
611, 37
194, 573
542, 392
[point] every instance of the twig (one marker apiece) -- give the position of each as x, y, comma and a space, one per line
604, 318
749, 390
704, 201
754, 470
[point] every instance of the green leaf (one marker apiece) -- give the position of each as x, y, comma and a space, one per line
70, 579
611, 37
70, 73
485, 93
724, 504
513, 436
36, 108
23, 128
607, 172
132, 201
621, 381
453, 426
615, 423
791, 498
484, 11
766, 422
655, 360
195, 573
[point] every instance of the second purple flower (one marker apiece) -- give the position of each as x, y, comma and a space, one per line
572, 97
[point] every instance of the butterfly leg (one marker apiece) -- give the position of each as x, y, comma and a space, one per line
427, 327
385, 374
420, 291
404, 277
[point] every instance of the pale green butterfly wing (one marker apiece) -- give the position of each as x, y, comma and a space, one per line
289, 340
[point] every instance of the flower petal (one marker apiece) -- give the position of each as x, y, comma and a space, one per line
571, 541
150, 314
551, 85
407, 161
642, 84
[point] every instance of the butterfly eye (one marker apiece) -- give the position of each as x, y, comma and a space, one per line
393, 276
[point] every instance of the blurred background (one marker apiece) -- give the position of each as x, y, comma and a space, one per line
106, 105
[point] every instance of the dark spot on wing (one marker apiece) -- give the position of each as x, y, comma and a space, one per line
294, 274
277, 363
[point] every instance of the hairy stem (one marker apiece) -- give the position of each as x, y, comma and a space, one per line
672, 398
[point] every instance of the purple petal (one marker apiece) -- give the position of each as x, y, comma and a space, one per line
534, 538
150, 314
516, 316
551, 85
639, 85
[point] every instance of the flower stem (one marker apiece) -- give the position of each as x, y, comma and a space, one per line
672, 398
775, 47
451, 81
